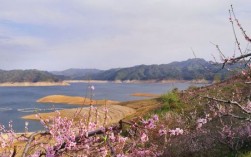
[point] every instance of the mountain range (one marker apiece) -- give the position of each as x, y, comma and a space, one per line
27, 76
191, 69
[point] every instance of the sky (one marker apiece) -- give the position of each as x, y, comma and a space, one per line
103, 34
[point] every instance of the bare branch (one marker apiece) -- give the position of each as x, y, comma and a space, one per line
234, 60
14, 152
111, 148
229, 102
31, 138
237, 117
219, 50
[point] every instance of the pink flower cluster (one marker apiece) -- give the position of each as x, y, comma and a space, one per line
176, 132
7, 136
62, 131
69, 137
150, 123
200, 122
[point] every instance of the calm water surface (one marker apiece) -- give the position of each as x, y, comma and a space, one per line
16, 102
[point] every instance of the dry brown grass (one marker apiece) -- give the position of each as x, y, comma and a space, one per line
76, 100
142, 107
145, 95
115, 113
128, 109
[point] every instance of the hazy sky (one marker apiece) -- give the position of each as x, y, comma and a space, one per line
103, 34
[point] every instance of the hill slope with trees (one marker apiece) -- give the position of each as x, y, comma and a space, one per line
27, 76
190, 69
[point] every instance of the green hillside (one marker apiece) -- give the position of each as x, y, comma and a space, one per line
186, 70
27, 76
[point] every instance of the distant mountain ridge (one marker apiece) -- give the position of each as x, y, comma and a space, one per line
185, 70
190, 69
75, 73
27, 76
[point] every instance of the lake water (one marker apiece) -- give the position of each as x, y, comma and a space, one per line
16, 102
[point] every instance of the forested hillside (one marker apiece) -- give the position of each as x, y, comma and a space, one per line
76, 73
186, 70
27, 76
191, 69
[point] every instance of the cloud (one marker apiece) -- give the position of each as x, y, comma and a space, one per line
114, 33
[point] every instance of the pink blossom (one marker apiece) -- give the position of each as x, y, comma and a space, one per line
121, 155
243, 72
112, 137
122, 139
162, 132
155, 118
142, 153
179, 131
144, 137
172, 132
176, 132
201, 120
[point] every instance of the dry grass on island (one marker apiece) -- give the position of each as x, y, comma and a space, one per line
115, 113
74, 100
142, 107
145, 95
117, 110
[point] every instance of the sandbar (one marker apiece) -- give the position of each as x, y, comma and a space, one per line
114, 114
74, 100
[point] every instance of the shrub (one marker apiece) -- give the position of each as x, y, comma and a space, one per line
170, 101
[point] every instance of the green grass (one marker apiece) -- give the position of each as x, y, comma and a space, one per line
247, 154
170, 102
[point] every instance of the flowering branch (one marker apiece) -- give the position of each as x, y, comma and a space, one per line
234, 59
239, 25
230, 102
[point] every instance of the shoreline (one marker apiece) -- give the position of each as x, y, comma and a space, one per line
69, 82
202, 81
33, 84
86, 81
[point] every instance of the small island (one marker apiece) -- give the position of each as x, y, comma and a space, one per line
116, 113
74, 100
